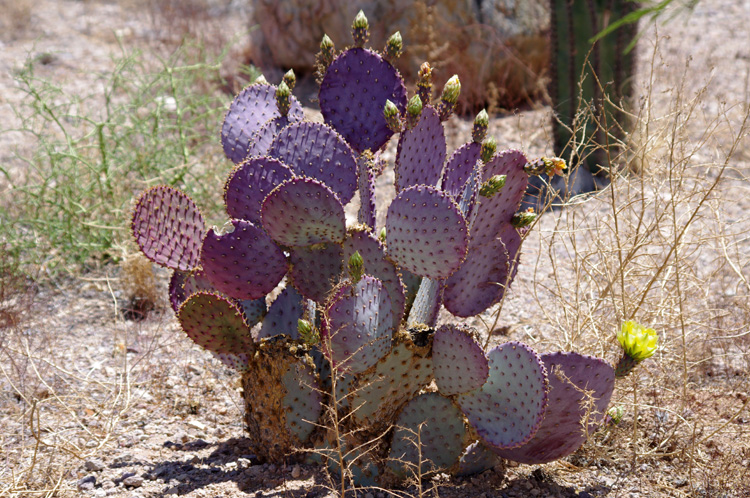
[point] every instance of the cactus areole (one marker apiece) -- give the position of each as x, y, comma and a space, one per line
320, 316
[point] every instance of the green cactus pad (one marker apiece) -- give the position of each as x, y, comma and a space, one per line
254, 310
302, 212
303, 400
426, 233
251, 109
377, 265
459, 362
315, 271
476, 459
430, 432
358, 325
317, 151
249, 184
168, 228
353, 94
395, 380
283, 315
508, 409
572, 414
459, 167
421, 152
244, 263
215, 323
183, 284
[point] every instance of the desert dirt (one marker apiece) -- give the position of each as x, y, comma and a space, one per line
95, 403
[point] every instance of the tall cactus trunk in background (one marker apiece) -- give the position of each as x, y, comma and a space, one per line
598, 76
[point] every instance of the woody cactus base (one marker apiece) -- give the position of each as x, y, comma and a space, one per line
332, 325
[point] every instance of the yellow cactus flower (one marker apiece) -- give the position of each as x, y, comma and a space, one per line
638, 342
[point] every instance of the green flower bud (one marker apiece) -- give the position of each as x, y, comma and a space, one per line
290, 79
413, 111
356, 267
481, 123
451, 90
393, 47
489, 147
424, 83
523, 218
307, 332
260, 80
392, 116
325, 56
381, 236
360, 29
283, 98
614, 415
492, 186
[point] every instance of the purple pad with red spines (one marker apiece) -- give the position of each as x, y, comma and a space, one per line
570, 416
353, 94
168, 228
302, 212
215, 323
244, 263
509, 408
358, 325
251, 109
283, 314
421, 152
426, 232
249, 184
317, 151
458, 360
315, 271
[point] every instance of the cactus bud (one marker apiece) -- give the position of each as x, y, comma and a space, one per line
548, 165
489, 147
356, 267
393, 47
290, 79
413, 112
424, 83
307, 332
381, 236
614, 415
481, 123
324, 57
360, 29
260, 80
392, 116
638, 343
524, 218
448, 99
492, 186
283, 98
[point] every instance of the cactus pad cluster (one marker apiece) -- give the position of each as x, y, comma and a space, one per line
320, 317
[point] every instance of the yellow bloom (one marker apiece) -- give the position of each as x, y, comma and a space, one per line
638, 342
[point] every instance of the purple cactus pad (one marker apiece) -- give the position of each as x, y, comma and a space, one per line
508, 409
315, 271
262, 139
353, 94
237, 362
316, 151
459, 362
254, 310
358, 325
183, 284
426, 232
251, 109
168, 228
459, 167
302, 212
215, 323
244, 263
249, 184
568, 421
421, 152
283, 315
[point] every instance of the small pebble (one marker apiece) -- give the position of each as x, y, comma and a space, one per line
94, 465
369, 495
108, 484
296, 472
100, 493
87, 483
133, 481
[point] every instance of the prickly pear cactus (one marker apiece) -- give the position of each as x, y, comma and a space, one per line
328, 322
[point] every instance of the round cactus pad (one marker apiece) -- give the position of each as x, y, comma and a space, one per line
215, 323
508, 409
459, 167
358, 325
426, 233
376, 264
421, 152
302, 401
317, 151
430, 432
303, 212
580, 388
237, 362
262, 139
183, 284
482, 279
353, 94
168, 228
283, 315
254, 310
315, 271
252, 108
459, 362
243, 263
249, 184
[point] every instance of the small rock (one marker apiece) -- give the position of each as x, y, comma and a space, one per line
133, 481
181, 437
100, 493
124, 458
197, 424
369, 495
231, 466
87, 483
108, 484
296, 472
94, 465
534, 492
